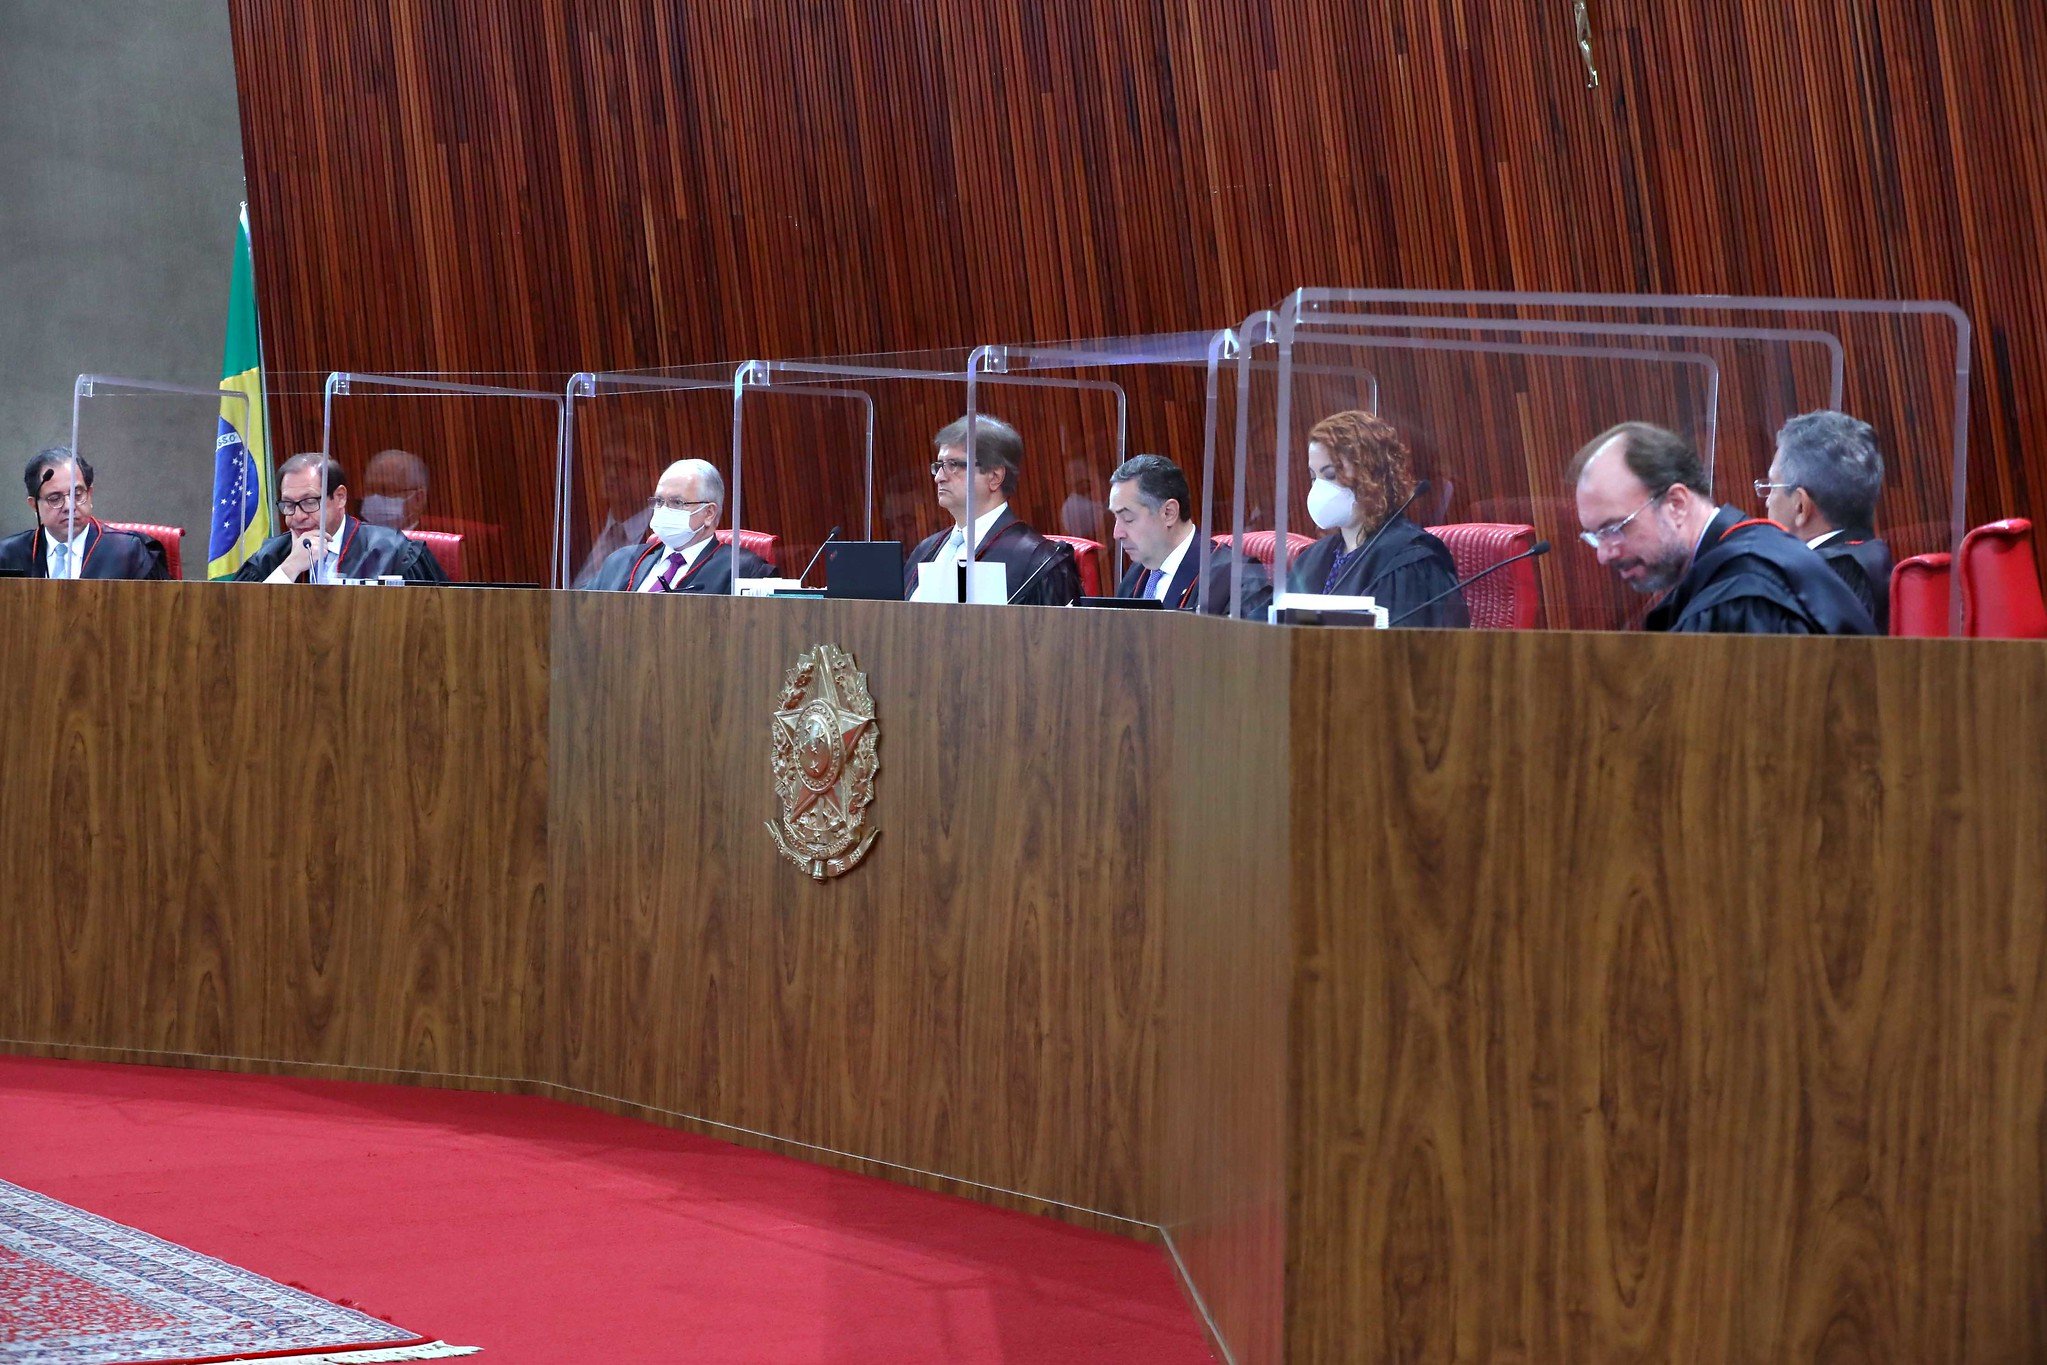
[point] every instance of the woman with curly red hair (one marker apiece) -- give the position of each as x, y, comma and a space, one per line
1361, 471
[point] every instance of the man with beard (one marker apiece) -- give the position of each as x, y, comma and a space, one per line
1644, 504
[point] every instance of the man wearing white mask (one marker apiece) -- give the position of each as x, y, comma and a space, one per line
683, 553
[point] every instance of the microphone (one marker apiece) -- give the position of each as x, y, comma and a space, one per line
829, 537
1373, 539
1039, 572
1541, 547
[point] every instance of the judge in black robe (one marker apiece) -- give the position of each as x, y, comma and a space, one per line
1752, 577
105, 554
1362, 483
1400, 567
1021, 552
1864, 564
1183, 590
366, 551
628, 568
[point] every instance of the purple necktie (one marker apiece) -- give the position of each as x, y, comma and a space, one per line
666, 583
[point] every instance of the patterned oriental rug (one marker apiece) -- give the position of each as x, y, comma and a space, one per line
78, 1289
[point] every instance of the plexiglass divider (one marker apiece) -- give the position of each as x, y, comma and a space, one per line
158, 452
471, 469
1903, 366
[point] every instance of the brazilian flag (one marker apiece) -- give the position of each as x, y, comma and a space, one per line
241, 453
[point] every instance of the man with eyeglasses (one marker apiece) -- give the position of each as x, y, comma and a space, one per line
67, 542
1644, 504
998, 537
682, 553
322, 543
1822, 487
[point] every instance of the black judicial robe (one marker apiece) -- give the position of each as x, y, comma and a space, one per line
1756, 578
366, 552
1021, 551
108, 554
710, 574
1405, 567
1864, 563
1182, 594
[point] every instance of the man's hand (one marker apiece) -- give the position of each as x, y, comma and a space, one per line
306, 548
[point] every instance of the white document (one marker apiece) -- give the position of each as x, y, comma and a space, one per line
1328, 601
986, 583
765, 587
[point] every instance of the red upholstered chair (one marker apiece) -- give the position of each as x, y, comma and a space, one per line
444, 546
767, 546
1090, 556
1261, 547
1920, 588
1509, 599
2001, 583
172, 538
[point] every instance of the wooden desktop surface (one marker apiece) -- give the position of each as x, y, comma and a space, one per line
1439, 996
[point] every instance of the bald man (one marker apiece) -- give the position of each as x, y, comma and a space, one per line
1644, 504
682, 553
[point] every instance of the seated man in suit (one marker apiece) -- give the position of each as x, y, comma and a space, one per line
683, 554
1822, 487
999, 537
1152, 507
1643, 501
66, 542
1362, 472
322, 543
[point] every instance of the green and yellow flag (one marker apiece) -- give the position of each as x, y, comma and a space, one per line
241, 453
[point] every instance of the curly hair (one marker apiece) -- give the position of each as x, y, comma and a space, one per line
1371, 461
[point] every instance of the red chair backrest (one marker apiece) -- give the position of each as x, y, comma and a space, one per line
1920, 588
444, 546
1509, 599
768, 547
1260, 545
172, 538
2001, 583
1088, 554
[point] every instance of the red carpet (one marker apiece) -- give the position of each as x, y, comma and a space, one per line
546, 1232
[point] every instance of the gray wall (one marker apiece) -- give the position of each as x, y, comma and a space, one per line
120, 178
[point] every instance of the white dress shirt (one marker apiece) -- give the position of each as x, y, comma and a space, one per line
690, 555
1820, 540
74, 550
955, 544
1170, 567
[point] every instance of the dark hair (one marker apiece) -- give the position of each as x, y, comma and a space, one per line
996, 446
1371, 461
1660, 458
1158, 481
332, 475
1834, 458
36, 475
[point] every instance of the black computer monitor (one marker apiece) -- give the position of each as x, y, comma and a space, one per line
870, 569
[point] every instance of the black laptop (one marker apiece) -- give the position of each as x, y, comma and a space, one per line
870, 569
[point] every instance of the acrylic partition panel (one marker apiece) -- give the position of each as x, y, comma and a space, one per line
469, 464
170, 458
1510, 425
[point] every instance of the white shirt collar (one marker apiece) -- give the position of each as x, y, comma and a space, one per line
984, 523
1823, 538
1171, 565
74, 546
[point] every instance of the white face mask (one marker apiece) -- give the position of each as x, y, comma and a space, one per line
675, 528
381, 509
1331, 504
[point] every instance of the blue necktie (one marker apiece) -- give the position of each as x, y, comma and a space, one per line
63, 554
1151, 582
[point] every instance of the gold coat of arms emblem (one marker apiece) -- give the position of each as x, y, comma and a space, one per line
823, 756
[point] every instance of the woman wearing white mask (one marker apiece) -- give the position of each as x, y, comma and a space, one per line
1362, 474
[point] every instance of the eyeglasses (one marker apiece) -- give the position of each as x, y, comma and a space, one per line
1764, 488
673, 505
57, 502
1612, 532
943, 467
305, 507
